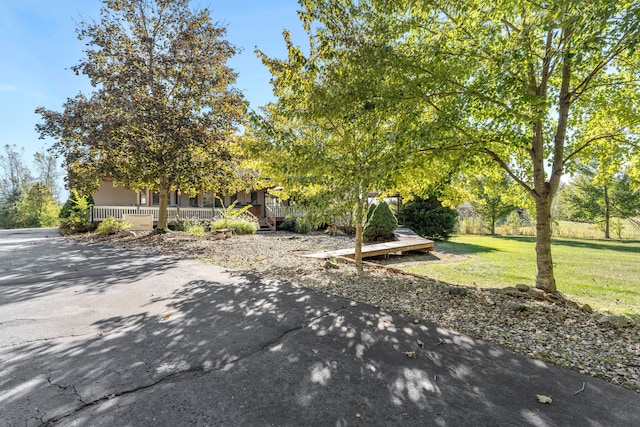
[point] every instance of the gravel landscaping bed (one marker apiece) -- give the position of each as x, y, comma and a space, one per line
553, 330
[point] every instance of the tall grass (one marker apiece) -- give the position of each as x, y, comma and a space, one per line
622, 229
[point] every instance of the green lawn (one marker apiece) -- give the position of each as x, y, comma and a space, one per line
604, 274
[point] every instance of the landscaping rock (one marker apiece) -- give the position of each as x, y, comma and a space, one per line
554, 298
522, 287
537, 293
516, 306
510, 290
560, 315
614, 320
489, 301
571, 304
587, 308
331, 264
456, 290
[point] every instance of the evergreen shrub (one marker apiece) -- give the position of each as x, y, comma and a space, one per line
380, 222
429, 218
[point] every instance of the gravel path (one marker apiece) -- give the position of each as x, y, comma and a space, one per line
559, 333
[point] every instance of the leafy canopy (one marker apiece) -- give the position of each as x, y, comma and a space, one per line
532, 87
164, 110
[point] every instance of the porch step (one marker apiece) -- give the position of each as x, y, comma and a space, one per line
264, 225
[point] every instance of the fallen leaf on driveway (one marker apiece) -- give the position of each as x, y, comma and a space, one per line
543, 399
410, 353
420, 343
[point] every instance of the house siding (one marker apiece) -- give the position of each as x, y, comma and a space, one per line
110, 195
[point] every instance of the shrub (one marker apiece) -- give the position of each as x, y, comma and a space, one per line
239, 226
381, 222
112, 226
71, 205
372, 207
194, 227
78, 215
429, 218
303, 227
289, 224
334, 231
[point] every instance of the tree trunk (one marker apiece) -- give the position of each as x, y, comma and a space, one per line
544, 263
163, 209
359, 226
607, 212
493, 224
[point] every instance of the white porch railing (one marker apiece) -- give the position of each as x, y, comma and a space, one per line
100, 213
282, 211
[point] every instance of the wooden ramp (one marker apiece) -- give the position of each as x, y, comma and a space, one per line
406, 240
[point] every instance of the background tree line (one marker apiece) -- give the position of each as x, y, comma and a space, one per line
28, 196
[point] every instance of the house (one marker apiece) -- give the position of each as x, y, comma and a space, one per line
116, 201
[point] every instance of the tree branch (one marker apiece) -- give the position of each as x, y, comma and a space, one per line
587, 144
507, 169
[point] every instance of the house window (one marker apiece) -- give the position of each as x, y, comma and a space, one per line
254, 198
155, 199
208, 199
193, 201
143, 197
217, 202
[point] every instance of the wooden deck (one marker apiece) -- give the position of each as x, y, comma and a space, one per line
406, 240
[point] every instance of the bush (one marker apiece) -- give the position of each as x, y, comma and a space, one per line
194, 227
372, 207
289, 224
429, 218
334, 231
303, 227
112, 226
380, 224
78, 215
239, 226
71, 205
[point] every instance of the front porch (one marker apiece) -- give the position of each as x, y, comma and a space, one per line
273, 214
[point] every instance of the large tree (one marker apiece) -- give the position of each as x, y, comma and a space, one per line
492, 197
48, 172
333, 133
532, 86
15, 175
164, 111
593, 196
15, 178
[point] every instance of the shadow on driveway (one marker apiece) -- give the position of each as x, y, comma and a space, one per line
198, 345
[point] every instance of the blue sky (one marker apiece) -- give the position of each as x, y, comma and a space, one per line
38, 45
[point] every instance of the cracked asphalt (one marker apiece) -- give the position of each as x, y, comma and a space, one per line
92, 335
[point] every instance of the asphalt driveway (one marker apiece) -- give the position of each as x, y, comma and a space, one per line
91, 335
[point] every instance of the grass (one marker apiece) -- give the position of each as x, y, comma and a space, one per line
603, 274
619, 229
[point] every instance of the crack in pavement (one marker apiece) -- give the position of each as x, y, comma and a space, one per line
37, 419
187, 374
45, 339
67, 387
